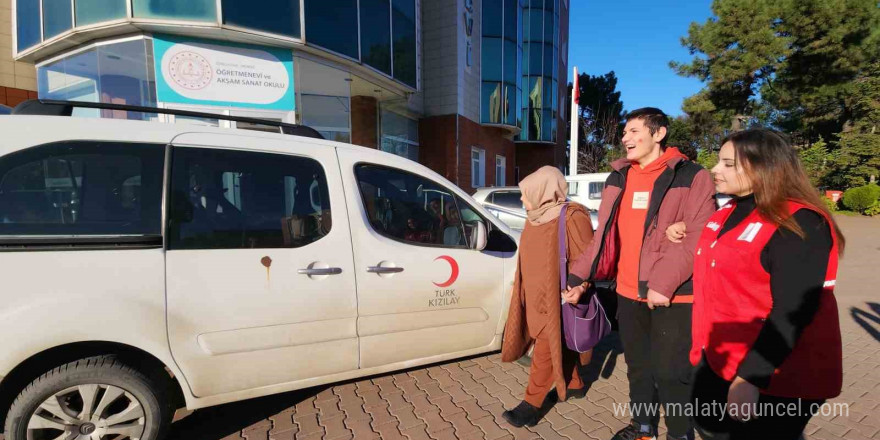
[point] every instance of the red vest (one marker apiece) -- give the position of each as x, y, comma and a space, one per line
732, 300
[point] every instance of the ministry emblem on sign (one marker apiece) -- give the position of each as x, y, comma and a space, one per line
190, 70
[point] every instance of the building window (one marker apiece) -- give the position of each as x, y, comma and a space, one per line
323, 100
273, 16
500, 170
95, 11
27, 23
194, 10
400, 135
501, 59
376, 34
324, 22
540, 61
478, 167
93, 76
119, 73
403, 24
57, 17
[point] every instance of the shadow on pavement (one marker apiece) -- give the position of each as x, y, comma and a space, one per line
865, 318
604, 360
220, 421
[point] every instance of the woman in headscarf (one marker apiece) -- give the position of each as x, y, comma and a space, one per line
535, 313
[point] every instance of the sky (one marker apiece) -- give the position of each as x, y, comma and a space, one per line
636, 39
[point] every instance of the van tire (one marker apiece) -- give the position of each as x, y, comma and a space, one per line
124, 387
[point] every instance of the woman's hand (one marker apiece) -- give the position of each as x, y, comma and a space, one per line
676, 232
742, 400
573, 294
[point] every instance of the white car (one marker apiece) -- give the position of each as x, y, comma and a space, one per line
506, 204
148, 266
586, 189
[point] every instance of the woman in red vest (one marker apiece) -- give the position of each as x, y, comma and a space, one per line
766, 335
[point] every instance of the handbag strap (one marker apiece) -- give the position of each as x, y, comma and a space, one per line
563, 254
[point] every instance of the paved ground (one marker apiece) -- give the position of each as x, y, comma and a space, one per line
465, 399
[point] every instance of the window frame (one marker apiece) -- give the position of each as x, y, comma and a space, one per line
503, 173
495, 193
170, 214
590, 190
481, 167
455, 197
91, 241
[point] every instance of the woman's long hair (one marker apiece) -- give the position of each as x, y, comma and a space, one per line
777, 175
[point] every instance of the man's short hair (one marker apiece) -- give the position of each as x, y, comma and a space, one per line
654, 118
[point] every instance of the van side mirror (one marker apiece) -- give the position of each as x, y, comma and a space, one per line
479, 237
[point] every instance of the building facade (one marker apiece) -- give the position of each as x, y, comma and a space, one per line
18, 80
470, 88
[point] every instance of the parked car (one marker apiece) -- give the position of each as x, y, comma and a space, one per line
148, 266
586, 189
506, 204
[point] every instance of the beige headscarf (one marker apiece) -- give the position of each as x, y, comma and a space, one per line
545, 190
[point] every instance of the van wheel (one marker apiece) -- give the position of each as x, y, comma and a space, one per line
94, 398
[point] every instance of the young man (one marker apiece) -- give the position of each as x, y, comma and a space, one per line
652, 188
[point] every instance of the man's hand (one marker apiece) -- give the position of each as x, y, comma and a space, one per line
657, 299
676, 232
742, 400
573, 294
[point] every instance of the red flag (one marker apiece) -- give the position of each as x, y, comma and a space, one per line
575, 89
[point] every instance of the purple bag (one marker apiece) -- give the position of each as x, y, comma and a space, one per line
583, 324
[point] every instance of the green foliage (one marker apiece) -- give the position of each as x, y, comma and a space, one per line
861, 198
600, 112
830, 204
707, 158
874, 209
816, 160
859, 156
800, 56
680, 137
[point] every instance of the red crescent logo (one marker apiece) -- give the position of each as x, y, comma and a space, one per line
452, 264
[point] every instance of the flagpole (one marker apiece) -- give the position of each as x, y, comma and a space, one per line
573, 148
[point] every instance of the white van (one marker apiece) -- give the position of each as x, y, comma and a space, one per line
586, 189
149, 266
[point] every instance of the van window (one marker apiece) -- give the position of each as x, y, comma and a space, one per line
82, 188
508, 199
412, 209
596, 190
222, 199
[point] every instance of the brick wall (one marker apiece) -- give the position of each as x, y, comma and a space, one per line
491, 139
531, 156
364, 121
11, 96
437, 138
438, 148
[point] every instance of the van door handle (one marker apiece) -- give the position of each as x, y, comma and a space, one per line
324, 271
380, 269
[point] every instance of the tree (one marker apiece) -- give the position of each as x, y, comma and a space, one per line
680, 137
858, 159
600, 112
698, 133
800, 56
817, 161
